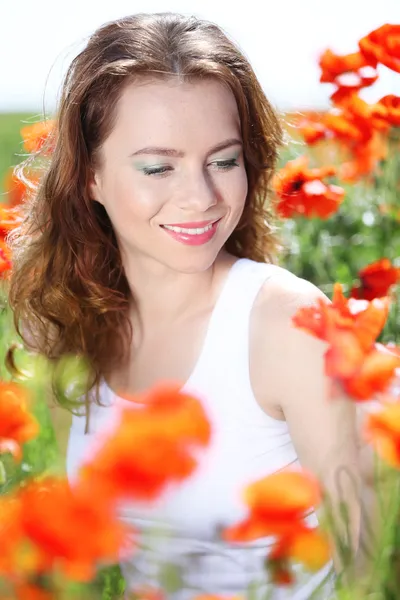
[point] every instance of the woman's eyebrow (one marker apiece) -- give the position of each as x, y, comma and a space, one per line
179, 154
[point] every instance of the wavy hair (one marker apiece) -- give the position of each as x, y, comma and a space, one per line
68, 289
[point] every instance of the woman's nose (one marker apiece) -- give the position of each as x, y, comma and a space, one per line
199, 193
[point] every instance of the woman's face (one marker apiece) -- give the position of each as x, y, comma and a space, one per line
172, 177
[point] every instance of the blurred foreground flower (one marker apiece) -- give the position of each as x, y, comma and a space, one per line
27, 591
38, 135
376, 280
10, 217
18, 190
17, 425
350, 327
45, 533
278, 505
383, 46
382, 430
153, 445
392, 105
301, 192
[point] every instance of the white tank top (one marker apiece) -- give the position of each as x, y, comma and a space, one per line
179, 531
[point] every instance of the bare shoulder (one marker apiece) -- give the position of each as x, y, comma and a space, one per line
283, 292
282, 355
281, 296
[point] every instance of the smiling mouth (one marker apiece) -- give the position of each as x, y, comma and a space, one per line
192, 230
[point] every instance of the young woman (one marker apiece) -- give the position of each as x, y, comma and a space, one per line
149, 249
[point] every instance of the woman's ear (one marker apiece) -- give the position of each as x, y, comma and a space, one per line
95, 188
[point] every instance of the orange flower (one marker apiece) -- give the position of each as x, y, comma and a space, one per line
364, 375
11, 535
333, 65
383, 46
278, 505
354, 359
365, 158
382, 430
54, 517
350, 72
312, 131
301, 191
27, 591
279, 568
17, 425
392, 105
364, 115
153, 445
354, 121
5, 263
10, 217
363, 318
308, 546
37, 135
358, 126
343, 128
18, 190
376, 280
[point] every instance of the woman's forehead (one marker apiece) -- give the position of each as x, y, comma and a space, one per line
158, 109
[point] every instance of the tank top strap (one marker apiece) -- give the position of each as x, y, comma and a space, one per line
227, 340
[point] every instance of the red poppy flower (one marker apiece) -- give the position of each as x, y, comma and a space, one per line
38, 135
376, 280
301, 192
17, 425
10, 217
28, 591
333, 65
365, 158
392, 105
312, 131
353, 359
5, 263
278, 504
350, 72
54, 517
153, 446
18, 190
382, 430
383, 46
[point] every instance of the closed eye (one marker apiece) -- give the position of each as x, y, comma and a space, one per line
225, 165
156, 170
221, 165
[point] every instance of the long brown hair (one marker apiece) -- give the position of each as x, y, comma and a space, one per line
68, 287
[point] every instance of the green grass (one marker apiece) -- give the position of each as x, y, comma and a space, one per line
10, 141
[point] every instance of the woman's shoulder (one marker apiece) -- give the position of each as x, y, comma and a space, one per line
283, 293
283, 355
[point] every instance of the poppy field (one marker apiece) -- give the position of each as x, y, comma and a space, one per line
337, 198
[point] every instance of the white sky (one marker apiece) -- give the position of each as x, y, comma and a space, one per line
282, 39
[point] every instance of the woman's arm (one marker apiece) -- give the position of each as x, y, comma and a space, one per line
323, 429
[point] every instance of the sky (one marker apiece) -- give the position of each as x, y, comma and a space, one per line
282, 39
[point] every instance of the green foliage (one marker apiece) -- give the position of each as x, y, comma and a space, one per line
11, 151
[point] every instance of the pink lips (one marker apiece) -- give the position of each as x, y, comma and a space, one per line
193, 239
